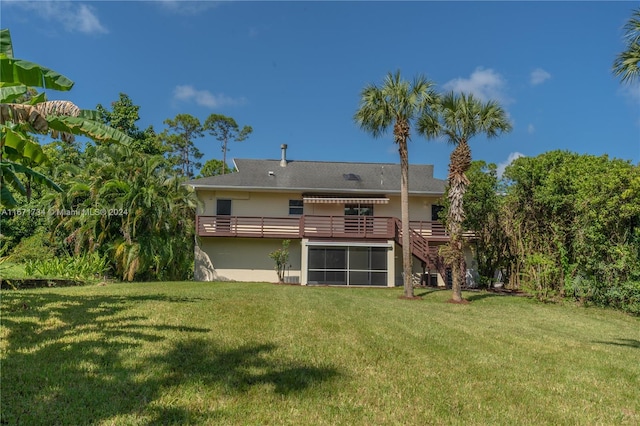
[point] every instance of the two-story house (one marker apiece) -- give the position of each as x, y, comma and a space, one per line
342, 220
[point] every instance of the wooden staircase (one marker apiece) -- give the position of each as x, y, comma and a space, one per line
421, 249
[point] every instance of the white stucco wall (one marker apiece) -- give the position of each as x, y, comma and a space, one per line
268, 204
276, 204
419, 208
246, 259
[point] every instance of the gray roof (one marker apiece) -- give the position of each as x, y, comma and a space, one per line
323, 177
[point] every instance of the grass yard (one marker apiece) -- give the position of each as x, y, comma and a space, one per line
252, 353
11, 270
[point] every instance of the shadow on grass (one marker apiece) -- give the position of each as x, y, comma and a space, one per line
425, 291
632, 343
88, 359
238, 369
474, 296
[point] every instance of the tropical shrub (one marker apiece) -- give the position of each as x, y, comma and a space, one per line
281, 257
85, 267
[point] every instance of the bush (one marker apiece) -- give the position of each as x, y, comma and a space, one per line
33, 248
624, 296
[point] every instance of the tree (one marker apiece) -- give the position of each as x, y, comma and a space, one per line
397, 103
123, 116
19, 151
483, 202
459, 118
225, 129
178, 141
214, 167
136, 211
626, 64
573, 226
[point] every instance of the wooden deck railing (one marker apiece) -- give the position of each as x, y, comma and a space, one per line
256, 227
367, 227
430, 229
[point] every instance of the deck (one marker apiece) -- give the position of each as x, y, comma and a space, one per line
308, 226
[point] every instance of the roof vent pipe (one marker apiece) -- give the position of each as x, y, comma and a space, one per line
283, 161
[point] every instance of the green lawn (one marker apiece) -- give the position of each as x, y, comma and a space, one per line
11, 270
223, 353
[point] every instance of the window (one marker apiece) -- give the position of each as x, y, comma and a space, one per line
296, 207
435, 212
355, 218
223, 211
223, 207
358, 209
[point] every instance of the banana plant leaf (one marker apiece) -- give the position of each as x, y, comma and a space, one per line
9, 168
89, 128
6, 197
17, 145
10, 93
16, 72
90, 114
6, 47
9, 178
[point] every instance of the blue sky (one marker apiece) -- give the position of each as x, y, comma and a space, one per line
294, 70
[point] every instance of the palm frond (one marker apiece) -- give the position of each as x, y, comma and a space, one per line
626, 64
396, 102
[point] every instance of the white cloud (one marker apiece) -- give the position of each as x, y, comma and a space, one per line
187, 7
539, 76
531, 129
188, 93
253, 32
74, 16
631, 91
485, 84
510, 159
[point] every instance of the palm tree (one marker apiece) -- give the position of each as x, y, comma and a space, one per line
626, 63
397, 103
460, 117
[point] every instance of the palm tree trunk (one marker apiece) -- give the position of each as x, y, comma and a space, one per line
404, 205
458, 182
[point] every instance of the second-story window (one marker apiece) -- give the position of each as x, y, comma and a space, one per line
358, 209
435, 211
296, 207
